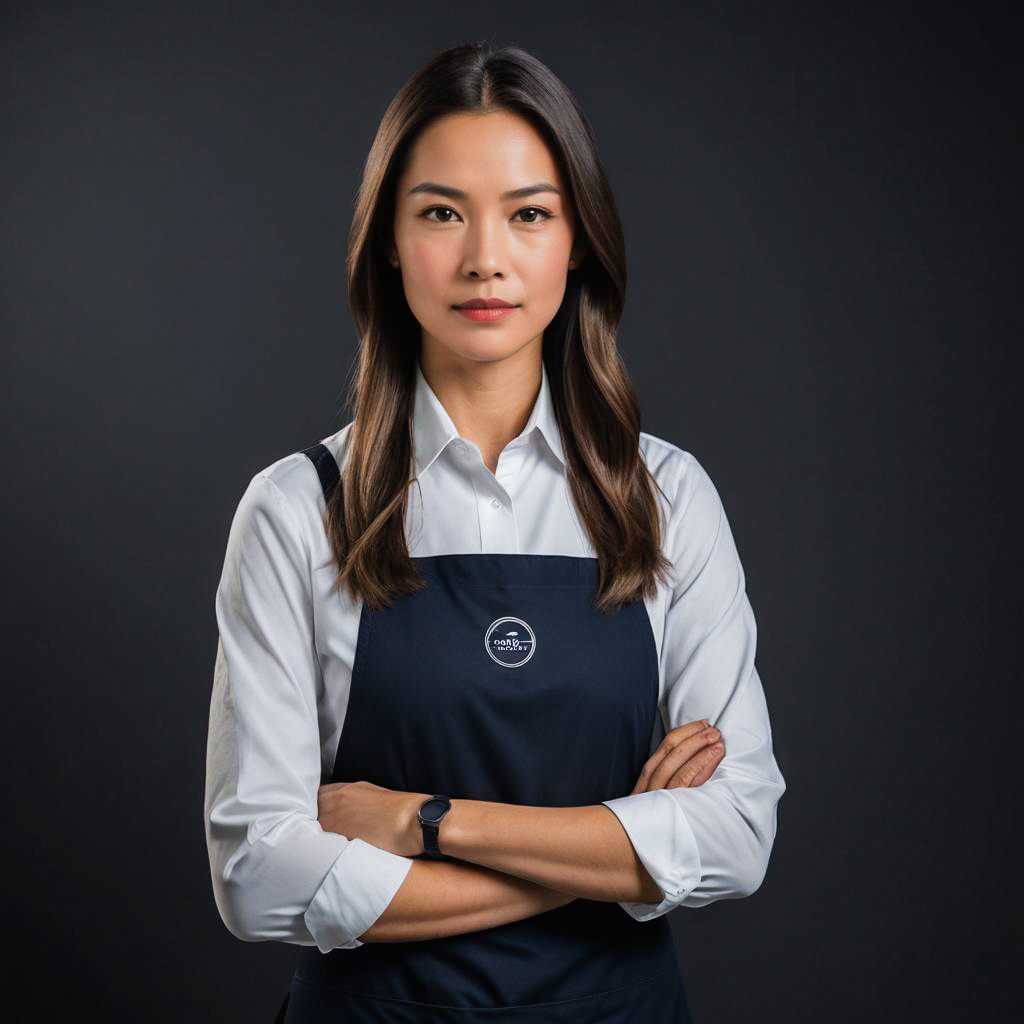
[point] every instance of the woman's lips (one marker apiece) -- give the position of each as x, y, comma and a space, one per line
484, 314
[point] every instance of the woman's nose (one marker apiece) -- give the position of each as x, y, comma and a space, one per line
484, 251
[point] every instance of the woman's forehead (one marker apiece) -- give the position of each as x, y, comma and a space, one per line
483, 157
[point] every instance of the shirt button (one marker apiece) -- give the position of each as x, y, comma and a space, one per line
495, 503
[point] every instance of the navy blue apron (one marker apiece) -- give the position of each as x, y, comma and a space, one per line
500, 681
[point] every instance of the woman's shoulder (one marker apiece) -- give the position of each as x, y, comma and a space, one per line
677, 471
693, 506
292, 482
288, 471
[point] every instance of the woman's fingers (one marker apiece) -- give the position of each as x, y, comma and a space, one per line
675, 750
681, 732
694, 750
699, 768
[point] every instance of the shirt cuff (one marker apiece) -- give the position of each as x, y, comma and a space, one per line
665, 844
362, 882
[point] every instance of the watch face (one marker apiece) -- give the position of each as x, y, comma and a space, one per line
433, 809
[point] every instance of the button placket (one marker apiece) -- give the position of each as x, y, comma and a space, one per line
497, 523
510, 463
496, 519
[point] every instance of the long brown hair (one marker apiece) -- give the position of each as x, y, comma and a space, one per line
594, 401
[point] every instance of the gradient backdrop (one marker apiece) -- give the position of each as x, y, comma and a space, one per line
819, 218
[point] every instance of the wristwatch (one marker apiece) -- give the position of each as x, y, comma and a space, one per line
430, 815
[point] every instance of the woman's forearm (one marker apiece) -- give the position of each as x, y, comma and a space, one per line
440, 898
579, 850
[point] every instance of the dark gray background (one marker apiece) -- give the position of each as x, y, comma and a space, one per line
818, 210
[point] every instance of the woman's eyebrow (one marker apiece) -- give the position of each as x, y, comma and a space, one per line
455, 193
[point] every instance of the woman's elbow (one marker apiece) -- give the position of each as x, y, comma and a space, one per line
740, 876
754, 874
240, 911
255, 897
755, 866
746, 853
265, 875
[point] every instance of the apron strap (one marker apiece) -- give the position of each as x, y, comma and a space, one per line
326, 467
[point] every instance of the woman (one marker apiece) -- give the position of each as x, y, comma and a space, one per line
429, 758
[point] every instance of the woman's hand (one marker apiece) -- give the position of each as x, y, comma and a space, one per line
383, 817
687, 756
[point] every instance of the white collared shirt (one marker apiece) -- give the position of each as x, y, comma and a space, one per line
284, 664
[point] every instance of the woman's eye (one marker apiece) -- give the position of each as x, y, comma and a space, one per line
447, 209
535, 209
431, 209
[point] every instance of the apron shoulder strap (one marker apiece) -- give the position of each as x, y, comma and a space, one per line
326, 467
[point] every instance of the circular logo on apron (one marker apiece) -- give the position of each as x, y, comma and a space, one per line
510, 641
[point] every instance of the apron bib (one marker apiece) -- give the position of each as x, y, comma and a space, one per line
499, 681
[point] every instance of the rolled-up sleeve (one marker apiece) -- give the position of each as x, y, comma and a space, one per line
276, 873
713, 841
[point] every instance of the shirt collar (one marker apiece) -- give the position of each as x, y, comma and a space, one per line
433, 427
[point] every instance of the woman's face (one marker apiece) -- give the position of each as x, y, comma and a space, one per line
460, 235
